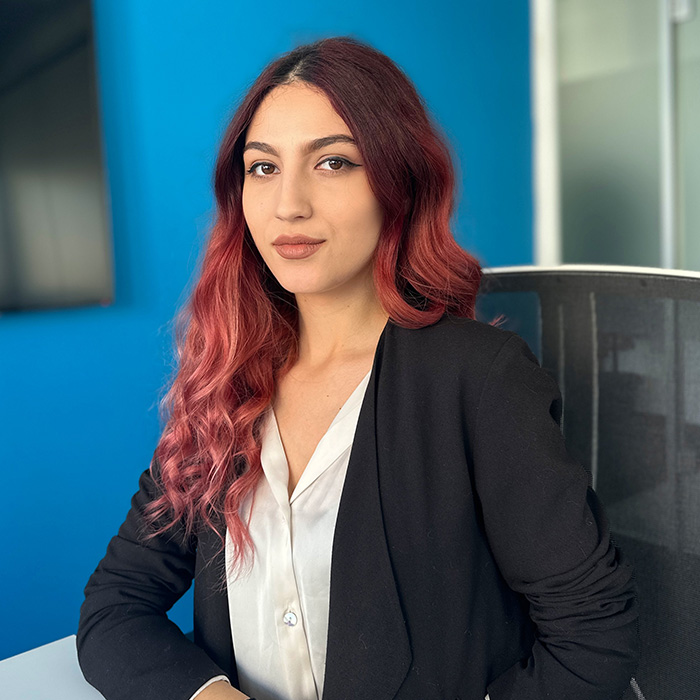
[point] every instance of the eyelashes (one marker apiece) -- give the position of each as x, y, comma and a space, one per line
347, 165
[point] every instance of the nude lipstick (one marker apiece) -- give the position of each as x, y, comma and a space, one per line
297, 247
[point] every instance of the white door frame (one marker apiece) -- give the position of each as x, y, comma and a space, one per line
546, 225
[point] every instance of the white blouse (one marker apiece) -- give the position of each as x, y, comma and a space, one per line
279, 606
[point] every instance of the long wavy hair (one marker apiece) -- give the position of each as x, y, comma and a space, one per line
237, 335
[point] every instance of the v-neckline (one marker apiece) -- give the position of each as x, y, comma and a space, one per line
327, 451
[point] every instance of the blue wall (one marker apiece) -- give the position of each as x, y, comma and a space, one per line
79, 387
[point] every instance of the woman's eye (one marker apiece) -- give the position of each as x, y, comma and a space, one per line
337, 164
263, 170
253, 168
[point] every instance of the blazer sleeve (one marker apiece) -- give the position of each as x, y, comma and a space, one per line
127, 647
551, 541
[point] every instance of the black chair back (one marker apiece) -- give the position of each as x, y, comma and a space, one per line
624, 347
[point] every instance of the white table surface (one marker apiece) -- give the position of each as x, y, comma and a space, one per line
50, 672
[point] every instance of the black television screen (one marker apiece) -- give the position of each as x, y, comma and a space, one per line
55, 237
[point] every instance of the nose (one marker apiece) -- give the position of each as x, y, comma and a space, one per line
293, 196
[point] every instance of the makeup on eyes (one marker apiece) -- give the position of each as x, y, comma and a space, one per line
349, 165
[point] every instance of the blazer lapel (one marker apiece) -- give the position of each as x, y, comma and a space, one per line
213, 625
368, 653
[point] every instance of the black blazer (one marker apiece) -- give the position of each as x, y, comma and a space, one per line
470, 554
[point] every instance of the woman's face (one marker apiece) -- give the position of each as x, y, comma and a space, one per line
300, 182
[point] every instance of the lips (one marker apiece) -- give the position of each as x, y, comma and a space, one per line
296, 240
297, 251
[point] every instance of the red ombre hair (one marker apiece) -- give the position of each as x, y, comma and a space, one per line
238, 333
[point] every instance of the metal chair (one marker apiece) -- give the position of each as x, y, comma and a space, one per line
623, 344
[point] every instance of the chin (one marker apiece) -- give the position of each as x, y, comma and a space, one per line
296, 286
303, 289
301, 284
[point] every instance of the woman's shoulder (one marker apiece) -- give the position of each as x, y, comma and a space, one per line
447, 366
453, 337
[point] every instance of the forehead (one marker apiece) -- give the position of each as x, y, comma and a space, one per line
294, 110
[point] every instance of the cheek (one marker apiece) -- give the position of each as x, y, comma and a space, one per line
246, 203
252, 213
372, 211
253, 220
369, 224
377, 216
356, 210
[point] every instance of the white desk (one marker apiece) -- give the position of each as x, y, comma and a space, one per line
50, 672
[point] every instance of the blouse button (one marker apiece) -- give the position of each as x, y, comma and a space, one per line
290, 619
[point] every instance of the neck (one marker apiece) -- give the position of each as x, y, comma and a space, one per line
332, 330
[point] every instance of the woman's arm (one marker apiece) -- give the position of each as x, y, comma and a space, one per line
127, 647
551, 541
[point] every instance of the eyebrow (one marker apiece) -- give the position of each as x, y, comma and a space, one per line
308, 147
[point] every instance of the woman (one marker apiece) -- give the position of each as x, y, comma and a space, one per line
368, 487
